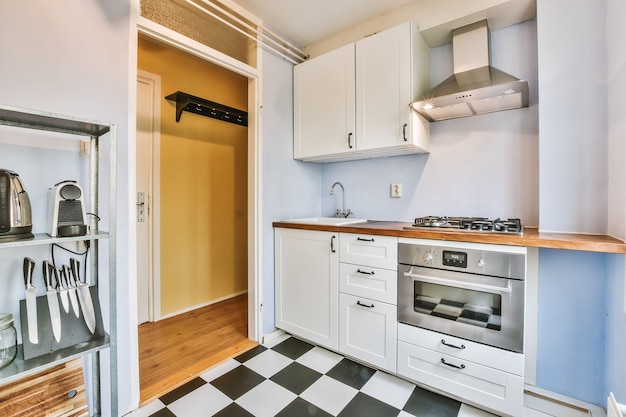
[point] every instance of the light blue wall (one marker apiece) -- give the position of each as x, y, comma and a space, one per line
289, 188
572, 323
616, 306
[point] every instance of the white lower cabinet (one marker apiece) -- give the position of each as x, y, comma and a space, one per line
368, 330
487, 377
307, 293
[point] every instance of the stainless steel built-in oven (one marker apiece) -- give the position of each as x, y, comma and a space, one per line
468, 290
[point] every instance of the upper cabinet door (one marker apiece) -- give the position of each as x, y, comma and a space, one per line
324, 105
391, 68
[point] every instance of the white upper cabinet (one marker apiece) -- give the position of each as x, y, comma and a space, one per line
324, 105
353, 102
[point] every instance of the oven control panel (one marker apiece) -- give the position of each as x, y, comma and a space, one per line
478, 261
454, 258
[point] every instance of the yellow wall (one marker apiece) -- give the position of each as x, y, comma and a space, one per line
203, 183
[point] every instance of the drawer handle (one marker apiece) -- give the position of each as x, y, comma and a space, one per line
365, 272
364, 240
443, 342
359, 303
461, 366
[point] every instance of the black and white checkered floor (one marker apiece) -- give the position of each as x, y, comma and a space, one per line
292, 378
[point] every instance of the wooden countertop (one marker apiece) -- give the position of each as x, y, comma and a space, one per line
531, 238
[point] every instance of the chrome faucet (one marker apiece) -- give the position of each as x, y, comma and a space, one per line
343, 213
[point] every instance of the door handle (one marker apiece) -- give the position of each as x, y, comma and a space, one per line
141, 207
332, 244
350, 140
404, 131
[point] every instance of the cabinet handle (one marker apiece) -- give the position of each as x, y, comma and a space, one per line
365, 272
332, 244
461, 366
364, 240
443, 342
350, 140
404, 131
364, 305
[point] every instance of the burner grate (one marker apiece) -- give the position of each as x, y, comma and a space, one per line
472, 224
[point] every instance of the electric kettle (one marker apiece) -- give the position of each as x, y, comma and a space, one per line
15, 215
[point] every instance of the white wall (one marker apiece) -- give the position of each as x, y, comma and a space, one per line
71, 59
573, 115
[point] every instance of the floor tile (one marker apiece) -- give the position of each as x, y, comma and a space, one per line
163, 413
293, 348
272, 340
250, 354
220, 370
363, 405
233, 410
329, 394
268, 363
469, 411
266, 399
296, 377
147, 410
424, 403
204, 401
389, 389
320, 359
351, 373
300, 407
181, 391
237, 382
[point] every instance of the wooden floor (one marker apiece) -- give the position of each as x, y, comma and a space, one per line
176, 350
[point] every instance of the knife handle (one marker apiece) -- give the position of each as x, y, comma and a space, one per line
61, 281
47, 274
75, 265
29, 266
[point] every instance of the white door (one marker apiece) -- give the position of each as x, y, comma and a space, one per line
148, 119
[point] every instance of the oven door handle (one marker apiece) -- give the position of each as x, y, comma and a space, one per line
461, 284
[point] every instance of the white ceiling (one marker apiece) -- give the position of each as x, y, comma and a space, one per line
305, 22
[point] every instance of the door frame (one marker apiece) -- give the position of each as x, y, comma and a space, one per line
154, 197
171, 38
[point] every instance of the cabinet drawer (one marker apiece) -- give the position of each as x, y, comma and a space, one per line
477, 384
369, 250
368, 331
364, 281
463, 349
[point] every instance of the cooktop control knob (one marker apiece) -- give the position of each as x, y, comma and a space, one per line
429, 256
481, 263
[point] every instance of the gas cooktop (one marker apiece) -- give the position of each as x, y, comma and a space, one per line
470, 224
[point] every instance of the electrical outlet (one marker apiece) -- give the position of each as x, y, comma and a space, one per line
396, 190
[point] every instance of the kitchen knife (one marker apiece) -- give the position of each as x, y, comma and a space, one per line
49, 271
62, 288
31, 301
71, 289
84, 296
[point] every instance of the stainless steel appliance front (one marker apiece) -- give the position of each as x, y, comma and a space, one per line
474, 292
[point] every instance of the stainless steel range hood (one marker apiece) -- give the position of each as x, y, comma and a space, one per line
475, 87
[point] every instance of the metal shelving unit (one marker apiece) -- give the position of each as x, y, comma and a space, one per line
20, 368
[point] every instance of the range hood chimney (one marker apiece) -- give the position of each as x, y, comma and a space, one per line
475, 87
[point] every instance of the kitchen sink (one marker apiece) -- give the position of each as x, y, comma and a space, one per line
329, 221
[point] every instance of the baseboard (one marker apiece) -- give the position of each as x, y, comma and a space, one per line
208, 303
269, 337
547, 401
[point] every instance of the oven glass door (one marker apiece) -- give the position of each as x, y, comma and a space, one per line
484, 309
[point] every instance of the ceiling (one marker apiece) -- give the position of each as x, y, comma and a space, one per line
306, 22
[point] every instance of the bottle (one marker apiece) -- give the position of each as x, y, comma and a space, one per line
8, 339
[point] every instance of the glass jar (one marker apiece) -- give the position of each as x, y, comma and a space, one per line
8, 339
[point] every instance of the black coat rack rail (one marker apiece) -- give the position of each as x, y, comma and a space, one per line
187, 102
